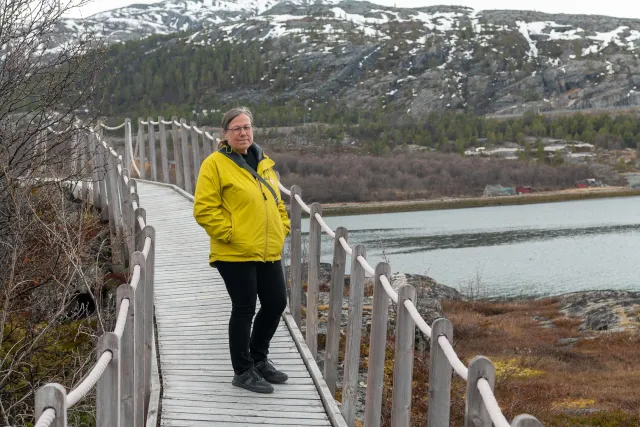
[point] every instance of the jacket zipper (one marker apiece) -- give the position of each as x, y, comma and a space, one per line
266, 216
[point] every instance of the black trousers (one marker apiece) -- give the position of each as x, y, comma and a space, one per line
245, 281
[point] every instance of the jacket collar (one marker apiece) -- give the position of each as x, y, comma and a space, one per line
264, 162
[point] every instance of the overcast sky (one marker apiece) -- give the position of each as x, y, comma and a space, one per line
619, 8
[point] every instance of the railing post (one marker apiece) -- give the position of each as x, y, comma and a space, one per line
188, 187
164, 159
127, 356
177, 155
107, 389
476, 414
73, 151
439, 376
354, 333
295, 270
403, 362
206, 145
140, 212
133, 197
152, 150
137, 258
148, 232
195, 146
526, 420
114, 204
85, 172
141, 149
128, 148
377, 348
335, 311
101, 153
95, 182
125, 203
313, 279
53, 396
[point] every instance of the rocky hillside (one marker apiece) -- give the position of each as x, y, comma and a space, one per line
406, 60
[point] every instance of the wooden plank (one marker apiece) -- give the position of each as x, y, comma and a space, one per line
229, 402
377, 349
164, 159
439, 376
192, 315
335, 310
403, 366
354, 333
226, 420
247, 412
152, 150
177, 152
313, 280
295, 299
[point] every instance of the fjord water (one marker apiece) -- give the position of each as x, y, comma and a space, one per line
538, 249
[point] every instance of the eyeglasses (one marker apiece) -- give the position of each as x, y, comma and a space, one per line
239, 129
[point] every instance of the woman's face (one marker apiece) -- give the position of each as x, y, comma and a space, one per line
240, 133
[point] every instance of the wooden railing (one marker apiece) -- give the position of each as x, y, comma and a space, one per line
482, 408
126, 355
125, 374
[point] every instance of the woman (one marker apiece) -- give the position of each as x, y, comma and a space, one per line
238, 203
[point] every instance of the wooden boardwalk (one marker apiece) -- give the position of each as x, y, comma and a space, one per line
192, 314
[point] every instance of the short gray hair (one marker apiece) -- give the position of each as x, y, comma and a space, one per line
228, 117
232, 114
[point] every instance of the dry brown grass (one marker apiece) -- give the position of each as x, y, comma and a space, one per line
593, 382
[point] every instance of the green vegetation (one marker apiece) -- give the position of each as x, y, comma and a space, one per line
165, 75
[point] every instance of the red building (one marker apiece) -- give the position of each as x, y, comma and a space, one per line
521, 189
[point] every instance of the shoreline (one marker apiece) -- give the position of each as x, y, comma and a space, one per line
340, 209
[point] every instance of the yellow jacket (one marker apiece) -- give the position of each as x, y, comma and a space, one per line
238, 213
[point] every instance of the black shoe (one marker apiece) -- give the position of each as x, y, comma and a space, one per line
252, 381
270, 373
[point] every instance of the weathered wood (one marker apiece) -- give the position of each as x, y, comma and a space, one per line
295, 270
73, 154
354, 334
128, 147
138, 259
152, 150
195, 146
148, 232
206, 145
53, 396
84, 171
125, 203
140, 212
95, 185
164, 159
193, 336
313, 279
476, 414
335, 310
154, 400
141, 149
403, 361
439, 376
107, 389
112, 192
131, 220
127, 357
377, 348
186, 161
525, 420
102, 180
177, 152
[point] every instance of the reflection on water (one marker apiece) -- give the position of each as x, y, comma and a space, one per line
410, 244
531, 249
